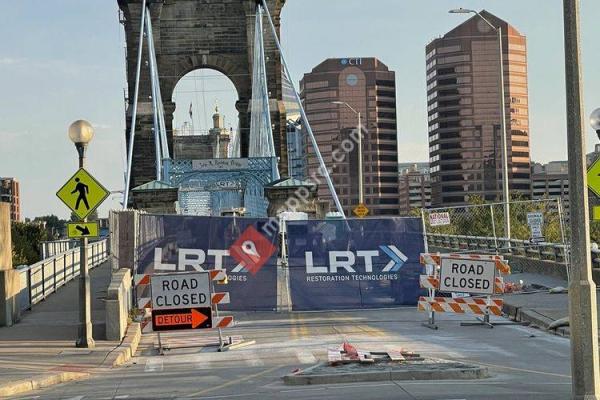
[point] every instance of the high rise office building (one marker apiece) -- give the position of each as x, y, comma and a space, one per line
464, 113
9, 193
415, 188
369, 87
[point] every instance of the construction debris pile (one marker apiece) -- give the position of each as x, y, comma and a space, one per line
347, 354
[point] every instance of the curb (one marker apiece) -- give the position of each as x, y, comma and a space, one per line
40, 382
119, 356
126, 350
377, 376
534, 318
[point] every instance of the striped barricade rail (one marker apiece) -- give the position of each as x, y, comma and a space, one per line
223, 322
463, 305
219, 298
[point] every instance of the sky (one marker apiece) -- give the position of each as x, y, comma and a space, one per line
63, 60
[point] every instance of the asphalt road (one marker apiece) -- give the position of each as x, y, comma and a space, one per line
524, 363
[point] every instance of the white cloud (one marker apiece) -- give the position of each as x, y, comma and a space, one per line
10, 60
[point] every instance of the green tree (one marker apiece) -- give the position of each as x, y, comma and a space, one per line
54, 225
26, 239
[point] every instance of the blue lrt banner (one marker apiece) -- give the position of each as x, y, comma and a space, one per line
244, 247
357, 263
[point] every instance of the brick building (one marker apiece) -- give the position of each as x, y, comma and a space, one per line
369, 87
9, 193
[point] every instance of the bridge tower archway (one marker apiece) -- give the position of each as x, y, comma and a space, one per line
190, 35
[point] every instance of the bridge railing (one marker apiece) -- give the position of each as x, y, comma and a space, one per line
54, 247
515, 247
543, 251
41, 279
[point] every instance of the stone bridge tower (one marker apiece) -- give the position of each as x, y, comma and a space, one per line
194, 34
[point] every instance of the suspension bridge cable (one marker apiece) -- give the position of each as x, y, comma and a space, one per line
311, 135
134, 111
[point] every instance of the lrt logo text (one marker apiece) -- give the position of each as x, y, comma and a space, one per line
251, 251
346, 260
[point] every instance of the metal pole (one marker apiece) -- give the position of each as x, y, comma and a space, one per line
84, 335
361, 193
562, 237
505, 190
494, 228
134, 111
311, 135
585, 369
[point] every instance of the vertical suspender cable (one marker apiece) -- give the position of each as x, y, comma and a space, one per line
159, 104
266, 111
313, 141
134, 111
153, 81
157, 142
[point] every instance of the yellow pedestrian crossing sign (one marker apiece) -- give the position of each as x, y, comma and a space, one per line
82, 193
593, 177
78, 230
361, 210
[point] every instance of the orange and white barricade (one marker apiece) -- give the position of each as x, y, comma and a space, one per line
463, 305
143, 293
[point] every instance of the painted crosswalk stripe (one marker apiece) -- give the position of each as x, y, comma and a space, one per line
203, 364
305, 357
153, 365
253, 360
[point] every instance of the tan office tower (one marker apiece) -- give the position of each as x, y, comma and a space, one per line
368, 87
464, 113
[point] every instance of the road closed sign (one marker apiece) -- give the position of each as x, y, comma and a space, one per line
181, 301
464, 275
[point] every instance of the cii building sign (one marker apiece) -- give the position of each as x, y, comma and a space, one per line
340, 264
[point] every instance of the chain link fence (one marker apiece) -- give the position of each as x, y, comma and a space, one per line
536, 238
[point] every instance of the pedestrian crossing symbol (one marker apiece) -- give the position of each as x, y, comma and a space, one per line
82, 193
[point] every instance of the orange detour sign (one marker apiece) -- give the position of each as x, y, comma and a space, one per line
168, 320
181, 301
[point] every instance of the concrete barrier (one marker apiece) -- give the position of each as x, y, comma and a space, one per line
124, 229
118, 304
9, 278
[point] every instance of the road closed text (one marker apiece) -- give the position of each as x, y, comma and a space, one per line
182, 290
183, 301
467, 276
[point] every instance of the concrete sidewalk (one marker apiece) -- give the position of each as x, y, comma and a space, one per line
40, 350
541, 308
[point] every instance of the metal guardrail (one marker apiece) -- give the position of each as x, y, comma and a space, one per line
41, 279
52, 248
521, 248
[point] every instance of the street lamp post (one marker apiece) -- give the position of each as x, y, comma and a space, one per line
585, 368
361, 195
81, 133
505, 189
